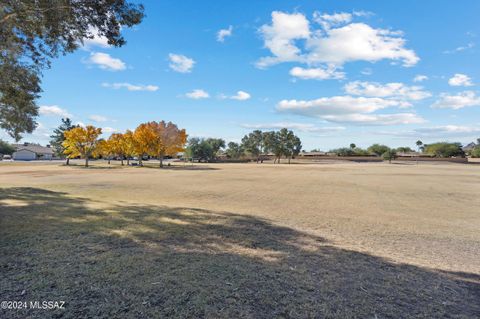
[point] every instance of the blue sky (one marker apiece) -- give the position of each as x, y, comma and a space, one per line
335, 72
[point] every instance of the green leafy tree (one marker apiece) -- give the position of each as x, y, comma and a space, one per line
6, 148
352, 145
474, 153
444, 149
389, 155
204, 149
234, 150
254, 144
59, 136
378, 149
32, 33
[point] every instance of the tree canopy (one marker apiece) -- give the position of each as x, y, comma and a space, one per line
32, 33
204, 149
6, 148
58, 136
444, 149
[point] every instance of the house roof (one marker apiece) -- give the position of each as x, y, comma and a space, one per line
469, 146
38, 149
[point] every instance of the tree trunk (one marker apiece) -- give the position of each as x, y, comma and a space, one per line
68, 161
128, 161
122, 159
289, 160
109, 161
160, 159
86, 161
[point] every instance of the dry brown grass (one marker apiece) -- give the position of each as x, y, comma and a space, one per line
242, 240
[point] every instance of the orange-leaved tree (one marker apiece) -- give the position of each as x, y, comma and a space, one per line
169, 140
81, 141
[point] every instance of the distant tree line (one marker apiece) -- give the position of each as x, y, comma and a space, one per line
257, 144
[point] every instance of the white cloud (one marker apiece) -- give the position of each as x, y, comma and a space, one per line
95, 41
241, 96
280, 36
337, 42
392, 90
131, 87
181, 63
420, 78
328, 20
336, 105
224, 33
303, 127
317, 73
376, 119
348, 109
458, 101
442, 131
106, 62
448, 130
460, 48
53, 110
108, 129
460, 80
197, 94
359, 42
97, 118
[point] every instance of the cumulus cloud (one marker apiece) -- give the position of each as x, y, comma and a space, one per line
97, 118
53, 110
105, 62
336, 105
280, 37
303, 127
181, 63
457, 101
337, 42
349, 109
460, 80
420, 78
320, 73
131, 87
241, 96
224, 33
391, 90
95, 40
197, 94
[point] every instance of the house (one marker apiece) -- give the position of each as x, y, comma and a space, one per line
30, 152
469, 147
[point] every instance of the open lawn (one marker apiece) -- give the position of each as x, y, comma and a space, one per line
339, 240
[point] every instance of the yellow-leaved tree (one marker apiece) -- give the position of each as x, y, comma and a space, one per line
128, 145
116, 144
143, 139
81, 141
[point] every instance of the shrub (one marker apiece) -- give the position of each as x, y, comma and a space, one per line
444, 149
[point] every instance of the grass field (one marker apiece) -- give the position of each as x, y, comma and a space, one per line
344, 240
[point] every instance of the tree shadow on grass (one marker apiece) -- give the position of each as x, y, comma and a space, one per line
137, 261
